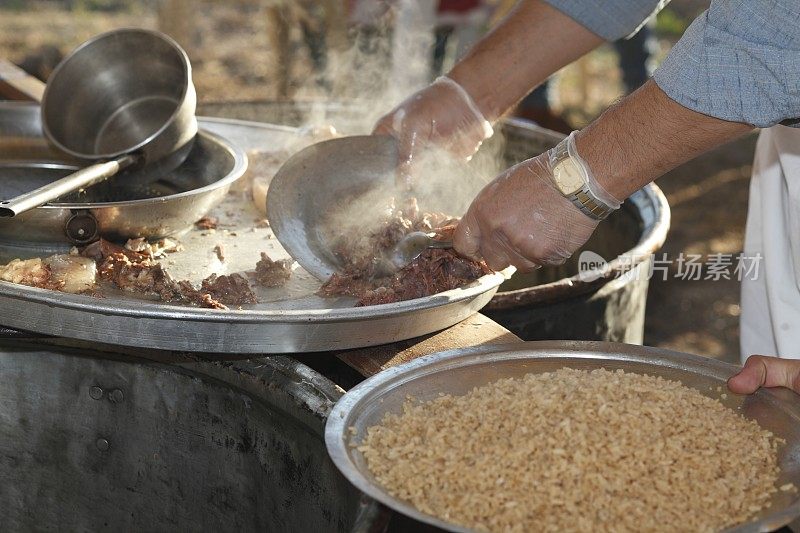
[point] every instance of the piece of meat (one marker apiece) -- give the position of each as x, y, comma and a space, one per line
271, 273
102, 249
219, 252
144, 276
152, 249
232, 289
138, 245
76, 274
208, 302
207, 222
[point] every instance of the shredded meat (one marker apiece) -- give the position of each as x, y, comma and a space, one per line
136, 272
271, 273
364, 277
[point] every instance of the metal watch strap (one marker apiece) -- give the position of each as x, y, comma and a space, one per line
584, 199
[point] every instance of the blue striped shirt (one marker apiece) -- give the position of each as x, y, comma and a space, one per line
739, 61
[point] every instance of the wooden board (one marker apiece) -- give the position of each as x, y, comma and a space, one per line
476, 330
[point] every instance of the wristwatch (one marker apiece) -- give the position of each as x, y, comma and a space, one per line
572, 178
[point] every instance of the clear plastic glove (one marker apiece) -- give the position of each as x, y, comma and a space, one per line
521, 219
441, 115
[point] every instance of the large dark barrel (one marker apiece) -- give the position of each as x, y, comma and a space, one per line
552, 303
92, 441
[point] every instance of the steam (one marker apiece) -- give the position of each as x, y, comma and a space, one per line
386, 63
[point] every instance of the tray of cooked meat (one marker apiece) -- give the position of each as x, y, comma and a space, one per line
228, 286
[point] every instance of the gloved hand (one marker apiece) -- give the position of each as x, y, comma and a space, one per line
762, 371
440, 115
521, 219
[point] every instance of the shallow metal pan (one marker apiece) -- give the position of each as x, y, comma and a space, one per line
161, 208
459, 371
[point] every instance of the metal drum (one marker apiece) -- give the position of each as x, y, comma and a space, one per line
94, 441
553, 302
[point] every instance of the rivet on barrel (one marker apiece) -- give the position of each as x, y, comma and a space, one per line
102, 444
116, 396
95, 393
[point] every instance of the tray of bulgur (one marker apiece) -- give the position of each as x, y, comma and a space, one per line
578, 436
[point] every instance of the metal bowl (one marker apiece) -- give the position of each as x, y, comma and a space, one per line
457, 372
116, 211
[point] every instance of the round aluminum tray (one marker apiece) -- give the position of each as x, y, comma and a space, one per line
290, 319
457, 372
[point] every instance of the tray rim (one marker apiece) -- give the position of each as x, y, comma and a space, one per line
341, 417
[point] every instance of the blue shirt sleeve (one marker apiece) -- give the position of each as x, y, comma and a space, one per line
610, 19
739, 61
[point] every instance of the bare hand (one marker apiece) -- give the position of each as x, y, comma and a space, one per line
762, 371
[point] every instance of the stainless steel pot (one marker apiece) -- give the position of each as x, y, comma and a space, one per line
123, 99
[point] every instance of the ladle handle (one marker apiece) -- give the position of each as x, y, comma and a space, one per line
75, 181
442, 245
16, 84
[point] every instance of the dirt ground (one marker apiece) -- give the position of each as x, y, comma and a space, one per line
231, 57
708, 198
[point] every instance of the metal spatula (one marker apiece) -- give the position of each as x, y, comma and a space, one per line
412, 245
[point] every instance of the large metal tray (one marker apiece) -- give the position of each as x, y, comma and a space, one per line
456, 372
289, 319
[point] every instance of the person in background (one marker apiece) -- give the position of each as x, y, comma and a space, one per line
735, 68
635, 62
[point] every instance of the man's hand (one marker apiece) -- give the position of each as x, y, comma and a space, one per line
533, 42
441, 115
521, 219
761, 371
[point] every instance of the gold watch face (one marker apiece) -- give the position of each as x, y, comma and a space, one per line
567, 177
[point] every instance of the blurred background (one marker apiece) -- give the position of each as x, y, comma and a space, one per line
378, 51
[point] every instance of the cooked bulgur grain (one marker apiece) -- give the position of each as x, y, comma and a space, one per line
578, 451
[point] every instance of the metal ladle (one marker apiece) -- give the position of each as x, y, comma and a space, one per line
322, 184
124, 98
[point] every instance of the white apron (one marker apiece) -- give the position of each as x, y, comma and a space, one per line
770, 321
